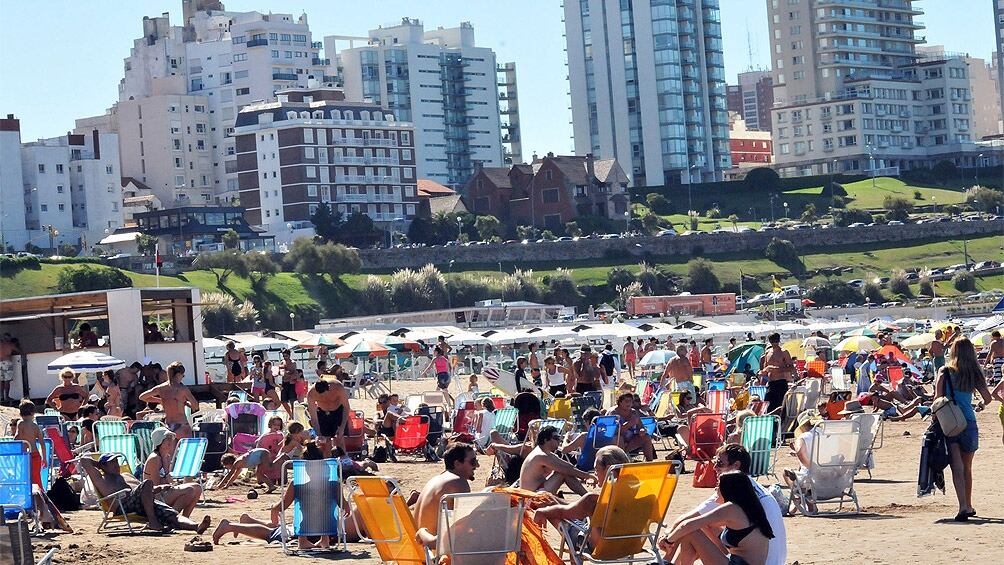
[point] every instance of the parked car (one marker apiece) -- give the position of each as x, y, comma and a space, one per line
666, 233
983, 265
856, 283
856, 225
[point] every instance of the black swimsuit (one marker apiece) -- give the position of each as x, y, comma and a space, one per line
329, 423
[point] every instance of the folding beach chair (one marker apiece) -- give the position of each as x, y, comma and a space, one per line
895, 375
243, 425
463, 418
143, 431
51, 412
793, 405
664, 408
560, 408
604, 431
717, 384
411, 437
355, 435
582, 403
813, 388
816, 368
114, 517
707, 434
412, 402
16, 501
758, 390
499, 402
872, 429
62, 452
435, 398
625, 525
53, 422
718, 401
760, 435
830, 477
651, 425
463, 537
317, 502
386, 519
437, 423
268, 415
835, 403
104, 428
838, 379
188, 459
534, 427
126, 445
505, 423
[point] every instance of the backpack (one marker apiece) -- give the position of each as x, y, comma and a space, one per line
379, 454
62, 496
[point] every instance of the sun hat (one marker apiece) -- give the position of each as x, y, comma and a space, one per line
158, 436
809, 417
852, 407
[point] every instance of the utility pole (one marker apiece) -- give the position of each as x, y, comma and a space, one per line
965, 251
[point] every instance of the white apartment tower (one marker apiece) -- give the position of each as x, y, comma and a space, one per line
439, 81
13, 229
71, 188
999, 36
647, 87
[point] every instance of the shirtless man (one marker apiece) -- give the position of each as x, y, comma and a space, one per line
995, 357
938, 350
106, 478
706, 361
328, 408
534, 361
543, 471
128, 379
460, 460
630, 357
173, 397
288, 371
679, 370
29, 432
633, 435
8, 348
777, 366
157, 469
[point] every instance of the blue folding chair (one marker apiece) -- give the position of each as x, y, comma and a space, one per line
758, 390
188, 459
15, 480
604, 431
317, 499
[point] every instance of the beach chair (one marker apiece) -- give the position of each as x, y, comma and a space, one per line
717, 384
707, 434
758, 390
412, 402
61, 451
664, 408
317, 503
104, 428
835, 403
114, 518
437, 424
604, 431
143, 431
46, 422
816, 368
624, 527
838, 379
355, 435
895, 374
268, 415
792, 405
386, 519
534, 427
830, 477
718, 401
126, 445
872, 429
463, 418
560, 408
411, 437
51, 412
760, 435
243, 424
16, 501
188, 459
505, 423
813, 389
582, 403
463, 537
435, 398
609, 397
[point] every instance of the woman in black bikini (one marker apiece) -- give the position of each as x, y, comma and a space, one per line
235, 362
745, 537
67, 397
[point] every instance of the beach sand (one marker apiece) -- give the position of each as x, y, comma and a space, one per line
895, 526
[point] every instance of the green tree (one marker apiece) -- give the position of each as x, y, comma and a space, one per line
783, 252
358, 231
873, 292
336, 259
222, 264
561, 289
834, 292
548, 235
526, 232
328, 224
487, 227
809, 213
659, 203
964, 281
926, 286
984, 199
650, 222
231, 240
899, 285
619, 276
897, 208
260, 268
91, 277
572, 229
763, 179
848, 216
945, 170
423, 230
146, 244
701, 278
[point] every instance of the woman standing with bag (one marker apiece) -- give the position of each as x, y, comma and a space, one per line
958, 380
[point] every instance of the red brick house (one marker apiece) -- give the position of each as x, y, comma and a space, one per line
550, 191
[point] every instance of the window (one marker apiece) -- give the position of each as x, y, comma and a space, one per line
549, 196
406, 138
59, 169
62, 207
41, 168
45, 207
311, 172
240, 57
312, 190
275, 53
242, 91
108, 169
111, 188
308, 136
59, 188
200, 128
406, 156
179, 180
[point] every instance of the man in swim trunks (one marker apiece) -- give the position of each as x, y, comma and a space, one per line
938, 350
288, 371
174, 397
328, 407
778, 367
461, 460
678, 372
8, 348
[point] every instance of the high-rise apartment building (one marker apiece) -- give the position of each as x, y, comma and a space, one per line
220, 61
13, 227
753, 98
999, 35
512, 144
853, 94
440, 81
71, 189
314, 147
647, 87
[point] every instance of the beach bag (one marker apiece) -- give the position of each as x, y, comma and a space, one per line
705, 475
61, 494
947, 411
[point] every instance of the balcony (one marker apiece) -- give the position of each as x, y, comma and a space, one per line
329, 78
320, 62
259, 42
366, 179
284, 76
316, 45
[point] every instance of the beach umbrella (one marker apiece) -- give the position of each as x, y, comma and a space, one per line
401, 344
85, 362
794, 348
739, 349
361, 349
981, 339
816, 342
858, 343
883, 326
657, 357
318, 340
918, 341
865, 331
750, 355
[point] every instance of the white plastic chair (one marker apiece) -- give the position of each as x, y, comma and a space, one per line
872, 430
830, 478
481, 528
838, 380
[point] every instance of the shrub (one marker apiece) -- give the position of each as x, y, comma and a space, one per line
260, 268
964, 281
625, 292
221, 314
917, 195
91, 277
659, 203
837, 189
652, 280
834, 292
487, 227
783, 252
897, 208
374, 297
763, 179
713, 213
926, 287
10, 266
809, 213
572, 229
984, 199
231, 239
561, 289
899, 285
850, 216
838, 202
306, 257
619, 276
701, 277
873, 292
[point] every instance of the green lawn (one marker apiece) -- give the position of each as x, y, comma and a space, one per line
862, 194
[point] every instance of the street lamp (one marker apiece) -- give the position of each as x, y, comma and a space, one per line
627, 219
871, 163
935, 200
690, 195
979, 161
53, 233
291, 316
449, 297
460, 228
786, 211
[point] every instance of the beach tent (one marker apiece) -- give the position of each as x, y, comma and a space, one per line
750, 355
741, 348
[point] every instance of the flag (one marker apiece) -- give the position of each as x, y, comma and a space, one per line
156, 253
777, 285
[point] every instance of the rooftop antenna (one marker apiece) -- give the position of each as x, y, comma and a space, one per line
749, 46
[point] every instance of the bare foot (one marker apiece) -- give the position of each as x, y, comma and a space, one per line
220, 531
270, 489
204, 525
412, 498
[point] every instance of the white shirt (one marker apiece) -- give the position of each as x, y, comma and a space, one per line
557, 378
777, 547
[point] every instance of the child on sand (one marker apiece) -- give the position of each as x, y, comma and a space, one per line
28, 430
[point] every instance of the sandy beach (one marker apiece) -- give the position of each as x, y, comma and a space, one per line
895, 526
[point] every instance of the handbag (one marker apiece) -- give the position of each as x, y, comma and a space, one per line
947, 412
705, 475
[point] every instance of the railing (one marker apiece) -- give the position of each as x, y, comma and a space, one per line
260, 42
382, 142
366, 179
316, 61
284, 76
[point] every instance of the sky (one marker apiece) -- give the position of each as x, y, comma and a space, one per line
69, 66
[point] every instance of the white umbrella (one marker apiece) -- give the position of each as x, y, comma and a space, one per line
816, 342
657, 357
918, 341
85, 362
